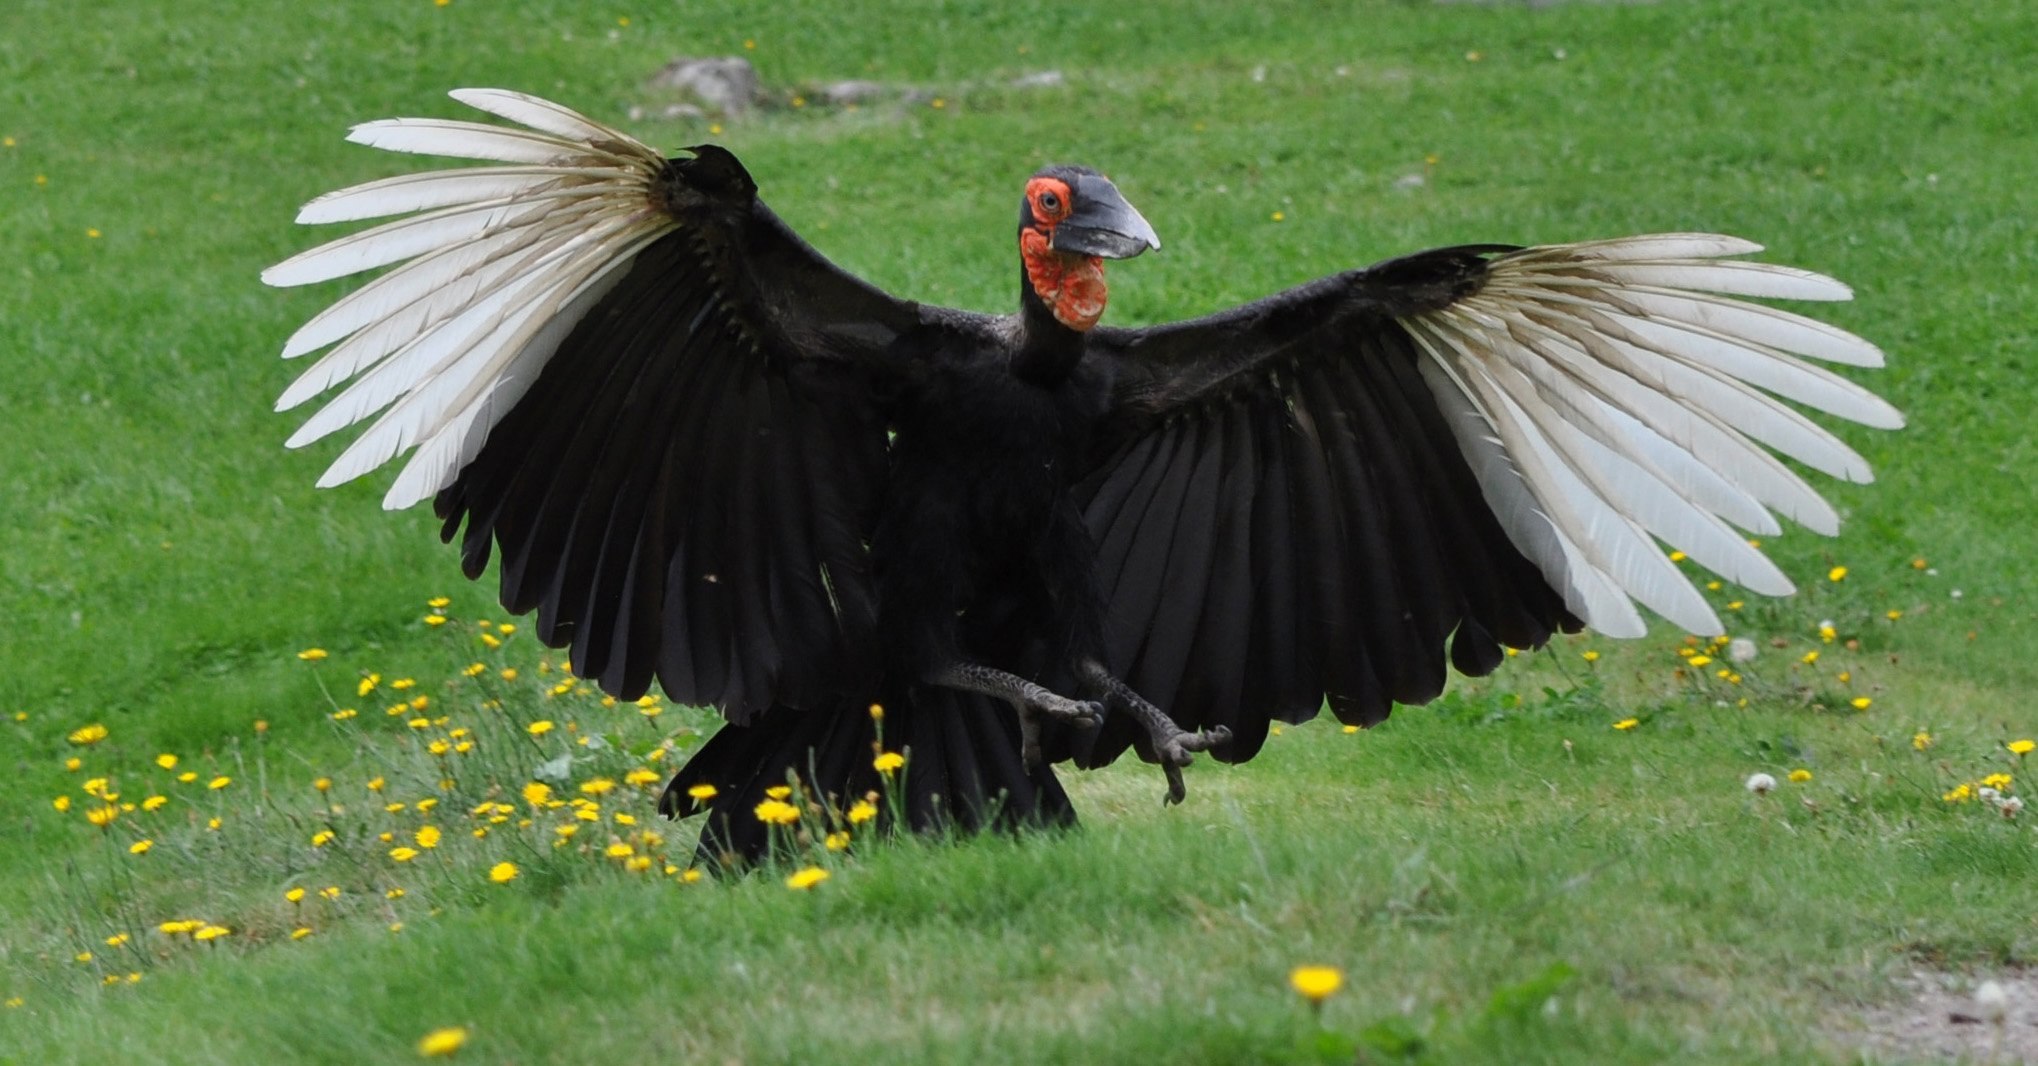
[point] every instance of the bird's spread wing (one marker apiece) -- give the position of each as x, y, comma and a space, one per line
630, 375
1311, 495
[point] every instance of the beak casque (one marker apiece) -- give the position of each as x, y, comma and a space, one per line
1103, 224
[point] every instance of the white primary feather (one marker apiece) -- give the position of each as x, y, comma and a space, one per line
423, 279
440, 188
501, 264
1612, 394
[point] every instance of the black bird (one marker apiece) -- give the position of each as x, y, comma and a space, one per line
710, 458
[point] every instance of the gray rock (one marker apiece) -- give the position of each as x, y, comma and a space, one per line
727, 84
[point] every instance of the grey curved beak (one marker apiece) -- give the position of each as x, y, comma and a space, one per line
1103, 224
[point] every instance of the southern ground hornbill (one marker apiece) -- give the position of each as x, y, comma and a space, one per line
710, 458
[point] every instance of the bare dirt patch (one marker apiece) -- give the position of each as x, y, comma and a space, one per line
1942, 1019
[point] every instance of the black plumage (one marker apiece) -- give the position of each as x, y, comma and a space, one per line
718, 463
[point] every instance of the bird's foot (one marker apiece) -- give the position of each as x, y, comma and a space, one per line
1173, 746
1032, 702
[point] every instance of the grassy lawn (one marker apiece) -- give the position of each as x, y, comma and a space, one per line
1503, 877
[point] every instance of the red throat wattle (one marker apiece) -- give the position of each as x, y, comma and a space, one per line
1072, 286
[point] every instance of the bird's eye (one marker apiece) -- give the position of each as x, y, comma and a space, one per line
1050, 203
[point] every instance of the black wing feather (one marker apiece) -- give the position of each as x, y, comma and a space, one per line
1283, 516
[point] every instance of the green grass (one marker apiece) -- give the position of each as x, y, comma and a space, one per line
165, 558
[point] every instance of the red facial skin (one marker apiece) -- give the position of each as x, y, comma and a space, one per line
1072, 286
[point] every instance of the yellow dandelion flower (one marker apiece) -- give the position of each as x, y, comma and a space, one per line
509, 673
219, 782
116, 940
1860, 703
1827, 633
537, 793
475, 669
402, 683
1921, 740
778, 792
300, 932
701, 793
439, 603
506, 628
1892, 615
1677, 557
1838, 573
330, 892
2021, 748
641, 776
211, 932
619, 850
491, 640
61, 803
312, 655
588, 814
367, 684
14, 1001
212, 823
434, 619
102, 816
294, 895
1349, 729
321, 838
394, 893
861, 811
154, 803
1810, 657
877, 712
777, 812
598, 786
95, 786
637, 864
503, 872
1844, 676
142, 846
1316, 983
540, 727
1589, 655
167, 761
1800, 775
1626, 724
442, 1042
1959, 794
807, 878
83, 956
836, 841
91, 734
1701, 660
74, 764
1999, 782
401, 854
888, 762
565, 831
427, 836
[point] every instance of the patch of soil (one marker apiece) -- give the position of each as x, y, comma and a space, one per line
1939, 1019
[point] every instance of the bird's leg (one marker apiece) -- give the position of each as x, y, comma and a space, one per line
1029, 699
1173, 745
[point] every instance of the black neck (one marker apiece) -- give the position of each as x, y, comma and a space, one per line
1047, 351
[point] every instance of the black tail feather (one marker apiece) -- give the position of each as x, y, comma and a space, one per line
963, 771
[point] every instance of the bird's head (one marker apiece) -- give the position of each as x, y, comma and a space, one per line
1071, 220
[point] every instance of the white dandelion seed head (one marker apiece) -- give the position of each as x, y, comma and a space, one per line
1989, 795
1991, 1002
1760, 784
2011, 806
1740, 650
